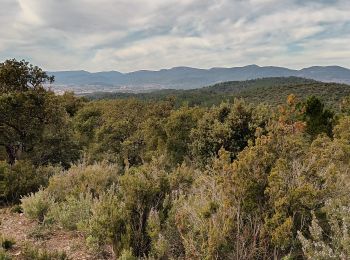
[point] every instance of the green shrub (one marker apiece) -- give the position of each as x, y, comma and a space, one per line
159, 244
72, 212
127, 255
37, 205
82, 178
21, 179
143, 189
33, 253
107, 224
16, 209
6, 243
40, 232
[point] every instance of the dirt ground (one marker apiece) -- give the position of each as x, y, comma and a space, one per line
22, 230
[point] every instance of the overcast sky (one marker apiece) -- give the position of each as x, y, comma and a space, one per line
128, 35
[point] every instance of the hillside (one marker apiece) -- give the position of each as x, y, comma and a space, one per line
185, 77
145, 177
267, 90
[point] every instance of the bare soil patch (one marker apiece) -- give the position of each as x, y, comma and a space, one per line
24, 232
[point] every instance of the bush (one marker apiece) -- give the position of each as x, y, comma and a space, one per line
159, 245
21, 179
37, 205
6, 243
16, 209
119, 217
40, 232
33, 253
82, 178
73, 212
127, 255
143, 189
108, 223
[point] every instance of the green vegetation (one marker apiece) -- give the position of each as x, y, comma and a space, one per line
30, 116
36, 205
35, 253
155, 179
273, 91
5, 245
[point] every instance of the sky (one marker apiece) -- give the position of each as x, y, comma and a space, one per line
130, 35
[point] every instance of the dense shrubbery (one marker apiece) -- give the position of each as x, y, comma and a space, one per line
73, 212
83, 179
274, 200
255, 183
22, 178
234, 181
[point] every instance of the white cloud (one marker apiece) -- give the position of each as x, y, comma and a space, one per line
152, 34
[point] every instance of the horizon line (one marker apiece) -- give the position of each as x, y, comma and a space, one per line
189, 67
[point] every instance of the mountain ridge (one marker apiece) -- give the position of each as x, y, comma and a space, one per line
187, 77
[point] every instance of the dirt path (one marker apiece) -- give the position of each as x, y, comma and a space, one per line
19, 228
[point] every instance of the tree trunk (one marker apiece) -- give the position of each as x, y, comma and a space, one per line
11, 151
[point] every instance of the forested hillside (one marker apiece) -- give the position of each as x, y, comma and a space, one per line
186, 77
265, 176
273, 91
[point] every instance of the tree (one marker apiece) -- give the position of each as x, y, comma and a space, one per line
318, 119
71, 103
19, 76
24, 115
229, 126
124, 131
178, 128
31, 116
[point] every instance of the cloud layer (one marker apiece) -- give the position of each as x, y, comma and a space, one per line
129, 35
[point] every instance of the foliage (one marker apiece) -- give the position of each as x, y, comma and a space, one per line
340, 131
22, 178
37, 205
127, 255
229, 126
205, 221
40, 232
107, 224
142, 190
6, 243
21, 76
73, 212
178, 128
329, 240
162, 179
318, 119
83, 179
34, 253
118, 131
71, 103
120, 215
30, 116
328, 236
16, 209
273, 91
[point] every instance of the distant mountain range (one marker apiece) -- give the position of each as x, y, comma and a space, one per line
185, 78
